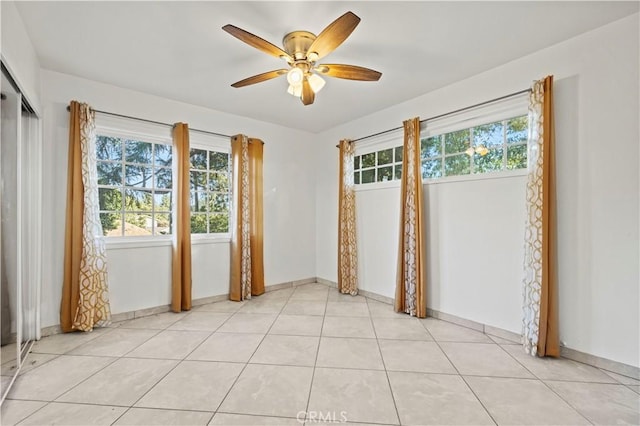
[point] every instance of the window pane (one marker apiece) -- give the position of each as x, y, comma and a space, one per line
198, 223
198, 181
397, 171
198, 201
110, 198
218, 161
218, 202
109, 173
162, 200
517, 157
488, 135
457, 165
218, 182
137, 200
198, 159
369, 160
356, 162
385, 173
455, 142
138, 152
162, 225
517, 129
430, 147
137, 224
138, 176
108, 148
432, 168
490, 162
398, 153
163, 178
368, 176
218, 223
356, 178
111, 224
385, 156
162, 154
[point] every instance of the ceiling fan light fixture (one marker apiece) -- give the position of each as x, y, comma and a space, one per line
316, 82
312, 56
295, 76
295, 90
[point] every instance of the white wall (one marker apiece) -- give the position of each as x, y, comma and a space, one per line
19, 54
140, 277
477, 273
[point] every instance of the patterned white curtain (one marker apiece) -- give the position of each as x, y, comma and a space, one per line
540, 327
347, 243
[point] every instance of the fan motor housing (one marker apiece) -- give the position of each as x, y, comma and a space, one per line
297, 43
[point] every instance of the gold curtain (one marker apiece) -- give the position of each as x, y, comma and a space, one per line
181, 268
540, 319
347, 243
85, 298
247, 263
410, 285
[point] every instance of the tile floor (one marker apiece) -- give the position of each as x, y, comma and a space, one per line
309, 350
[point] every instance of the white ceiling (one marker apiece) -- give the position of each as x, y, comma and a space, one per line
177, 50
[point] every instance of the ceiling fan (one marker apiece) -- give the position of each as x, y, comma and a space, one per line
302, 50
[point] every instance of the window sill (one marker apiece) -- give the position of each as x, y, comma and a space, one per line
120, 243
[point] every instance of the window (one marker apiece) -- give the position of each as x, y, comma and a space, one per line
134, 186
501, 145
209, 181
379, 166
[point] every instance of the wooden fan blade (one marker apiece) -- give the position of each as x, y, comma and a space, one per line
333, 36
308, 96
255, 41
259, 78
349, 72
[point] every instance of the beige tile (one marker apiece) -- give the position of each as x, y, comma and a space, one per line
8, 352
523, 402
336, 296
267, 306
363, 395
274, 390
57, 376
286, 350
310, 292
501, 341
116, 343
224, 419
225, 306
558, 368
341, 352
248, 323
383, 310
348, 327
231, 347
34, 360
625, 380
193, 385
436, 399
297, 325
74, 414
443, 331
121, 383
400, 328
483, 359
602, 404
154, 322
14, 410
170, 344
635, 388
201, 321
347, 309
283, 293
414, 355
63, 343
4, 383
305, 307
147, 416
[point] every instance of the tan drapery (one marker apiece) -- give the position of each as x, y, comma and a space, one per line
85, 298
410, 285
540, 319
247, 263
347, 243
181, 268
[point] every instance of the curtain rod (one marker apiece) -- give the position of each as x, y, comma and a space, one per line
445, 114
154, 122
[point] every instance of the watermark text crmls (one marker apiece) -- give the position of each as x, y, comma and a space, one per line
322, 416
